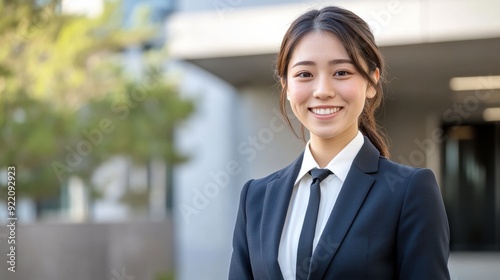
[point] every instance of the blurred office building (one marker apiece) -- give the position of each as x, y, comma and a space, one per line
441, 111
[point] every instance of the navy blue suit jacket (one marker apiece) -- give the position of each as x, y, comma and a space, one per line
389, 222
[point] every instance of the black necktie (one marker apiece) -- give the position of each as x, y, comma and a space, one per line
304, 251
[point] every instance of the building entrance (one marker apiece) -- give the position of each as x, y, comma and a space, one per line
471, 185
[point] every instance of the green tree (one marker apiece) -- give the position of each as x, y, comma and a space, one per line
66, 102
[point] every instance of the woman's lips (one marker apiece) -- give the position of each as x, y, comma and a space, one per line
325, 111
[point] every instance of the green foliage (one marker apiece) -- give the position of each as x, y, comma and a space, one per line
66, 104
165, 276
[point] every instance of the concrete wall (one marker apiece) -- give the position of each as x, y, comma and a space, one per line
474, 265
407, 126
90, 251
207, 186
266, 143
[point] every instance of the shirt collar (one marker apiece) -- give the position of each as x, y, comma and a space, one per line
339, 165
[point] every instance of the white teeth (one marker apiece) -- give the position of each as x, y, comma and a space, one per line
325, 111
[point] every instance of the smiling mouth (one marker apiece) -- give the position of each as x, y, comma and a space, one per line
325, 111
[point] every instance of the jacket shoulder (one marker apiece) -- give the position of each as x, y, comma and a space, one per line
397, 175
387, 165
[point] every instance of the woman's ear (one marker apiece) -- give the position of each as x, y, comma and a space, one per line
371, 91
283, 85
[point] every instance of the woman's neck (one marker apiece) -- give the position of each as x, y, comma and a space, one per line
324, 150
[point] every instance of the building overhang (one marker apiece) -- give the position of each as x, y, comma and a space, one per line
256, 31
425, 43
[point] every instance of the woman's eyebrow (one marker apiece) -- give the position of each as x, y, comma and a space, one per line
331, 62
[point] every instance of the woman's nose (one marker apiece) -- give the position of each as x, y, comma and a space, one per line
324, 87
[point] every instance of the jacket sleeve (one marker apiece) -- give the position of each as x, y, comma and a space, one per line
423, 233
240, 268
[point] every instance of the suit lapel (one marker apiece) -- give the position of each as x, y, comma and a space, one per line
352, 195
276, 201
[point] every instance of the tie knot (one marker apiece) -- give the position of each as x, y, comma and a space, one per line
320, 174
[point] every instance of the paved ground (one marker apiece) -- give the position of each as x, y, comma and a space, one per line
474, 266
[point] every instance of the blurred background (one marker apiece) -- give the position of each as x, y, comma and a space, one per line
133, 125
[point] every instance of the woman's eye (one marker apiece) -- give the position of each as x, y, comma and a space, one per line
341, 73
304, 75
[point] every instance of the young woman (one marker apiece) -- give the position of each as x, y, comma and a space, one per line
342, 210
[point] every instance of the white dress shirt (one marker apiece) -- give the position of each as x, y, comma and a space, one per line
330, 189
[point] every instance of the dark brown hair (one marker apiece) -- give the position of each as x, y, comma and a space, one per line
358, 40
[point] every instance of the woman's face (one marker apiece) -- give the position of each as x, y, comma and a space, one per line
326, 92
